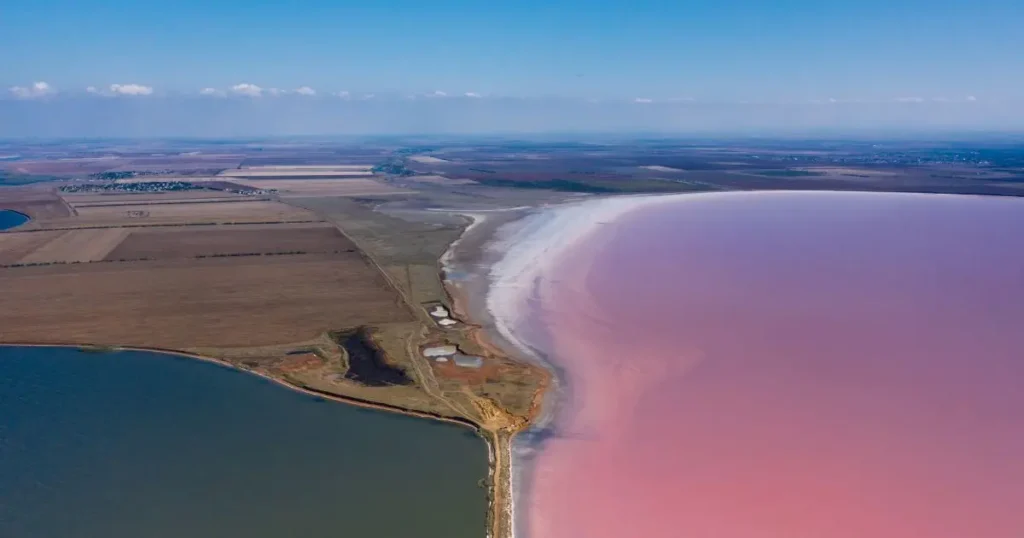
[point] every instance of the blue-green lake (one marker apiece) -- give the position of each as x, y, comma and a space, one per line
10, 219
133, 445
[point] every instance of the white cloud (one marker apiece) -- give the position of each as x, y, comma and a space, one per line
130, 89
91, 89
344, 95
474, 95
212, 92
245, 88
681, 99
839, 101
439, 93
910, 99
305, 90
368, 96
971, 98
643, 100
37, 89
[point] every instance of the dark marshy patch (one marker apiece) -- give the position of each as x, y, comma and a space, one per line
367, 364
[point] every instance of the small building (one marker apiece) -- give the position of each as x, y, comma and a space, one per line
468, 361
447, 322
439, 312
440, 351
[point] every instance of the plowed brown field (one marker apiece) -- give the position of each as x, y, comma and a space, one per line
204, 241
76, 246
180, 214
188, 303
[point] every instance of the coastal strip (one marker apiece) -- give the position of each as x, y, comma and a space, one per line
498, 268
309, 391
462, 270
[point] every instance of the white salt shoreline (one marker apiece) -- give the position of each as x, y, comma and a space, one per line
526, 250
531, 247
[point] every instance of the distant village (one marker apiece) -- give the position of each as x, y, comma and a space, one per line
161, 186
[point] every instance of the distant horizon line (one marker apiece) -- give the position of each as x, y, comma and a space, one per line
44, 91
817, 135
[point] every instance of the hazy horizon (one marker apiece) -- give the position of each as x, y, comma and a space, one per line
227, 68
293, 115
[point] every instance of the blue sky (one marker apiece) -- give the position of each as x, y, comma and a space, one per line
731, 51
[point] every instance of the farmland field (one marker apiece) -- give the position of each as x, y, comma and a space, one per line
202, 241
76, 246
37, 203
323, 187
109, 203
179, 214
188, 303
311, 171
16, 245
93, 198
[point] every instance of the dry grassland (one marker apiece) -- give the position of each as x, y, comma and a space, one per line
71, 246
186, 304
16, 245
182, 163
291, 173
302, 171
441, 180
37, 203
167, 202
64, 167
204, 241
76, 199
840, 171
181, 214
323, 187
300, 167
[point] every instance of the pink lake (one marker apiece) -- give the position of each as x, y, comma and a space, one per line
787, 365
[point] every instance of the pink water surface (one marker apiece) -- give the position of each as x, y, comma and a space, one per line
788, 365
